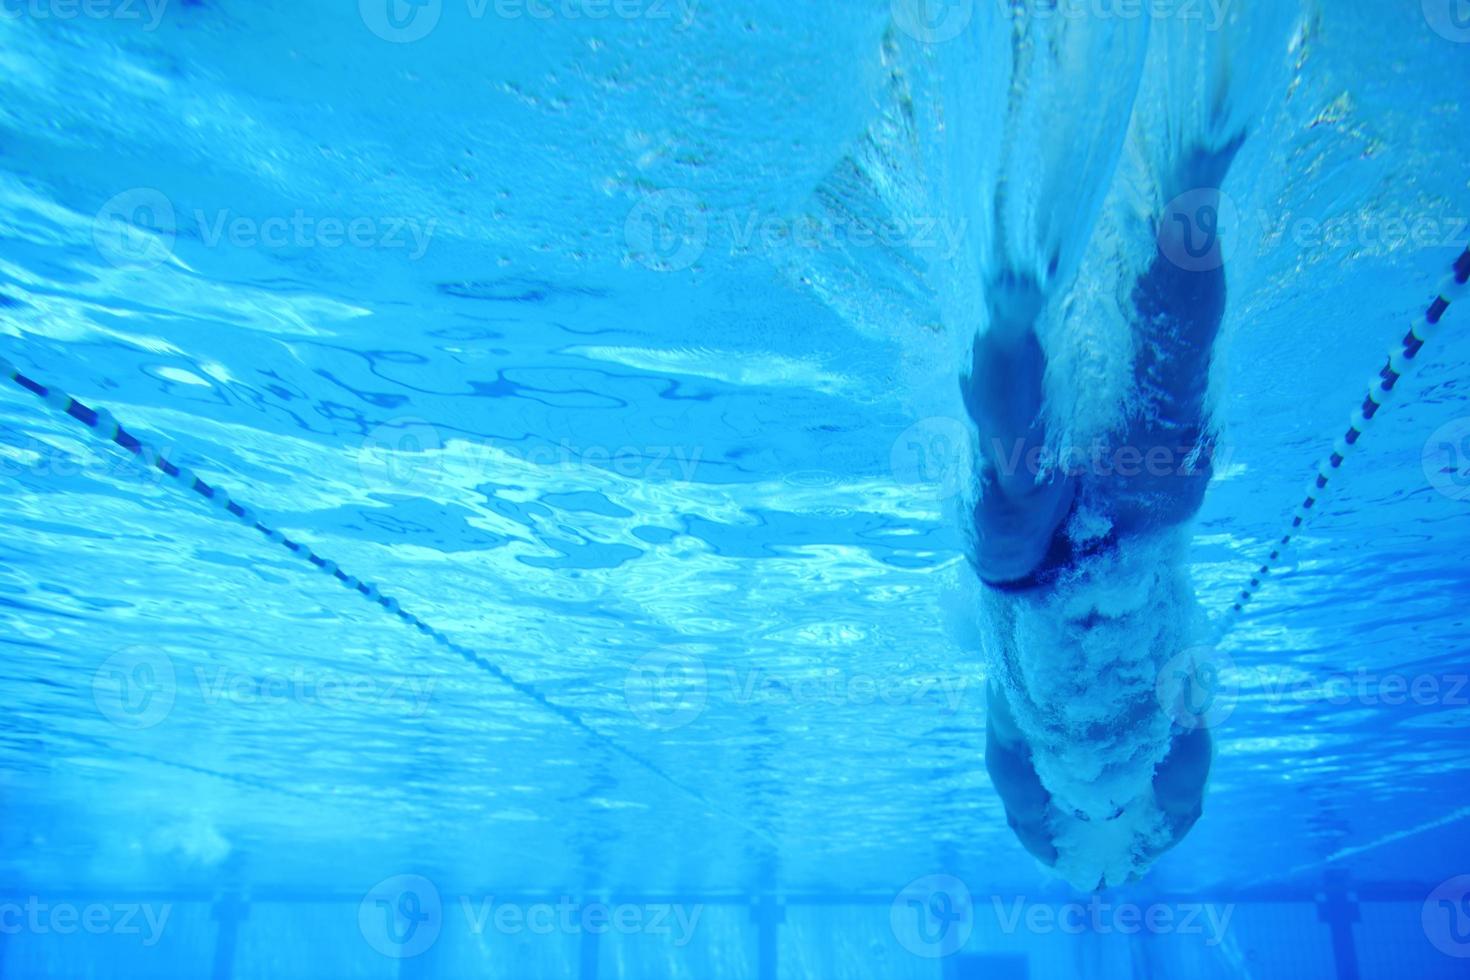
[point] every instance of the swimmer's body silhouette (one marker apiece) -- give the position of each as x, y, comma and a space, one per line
1087, 157
1086, 595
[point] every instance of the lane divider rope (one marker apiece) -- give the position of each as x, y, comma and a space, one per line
1402, 360
103, 425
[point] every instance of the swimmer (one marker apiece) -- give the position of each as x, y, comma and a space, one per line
1086, 596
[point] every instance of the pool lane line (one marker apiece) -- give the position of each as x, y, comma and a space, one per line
1356, 850
103, 425
1402, 360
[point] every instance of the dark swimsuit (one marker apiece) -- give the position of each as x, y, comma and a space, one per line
1177, 316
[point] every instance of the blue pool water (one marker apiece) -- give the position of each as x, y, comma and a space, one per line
614, 350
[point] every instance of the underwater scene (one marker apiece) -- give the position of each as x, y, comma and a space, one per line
594, 489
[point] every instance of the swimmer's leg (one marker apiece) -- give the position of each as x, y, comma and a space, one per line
1178, 307
1178, 785
1019, 507
1008, 759
1179, 781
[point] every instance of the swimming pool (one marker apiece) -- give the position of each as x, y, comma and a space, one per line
607, 354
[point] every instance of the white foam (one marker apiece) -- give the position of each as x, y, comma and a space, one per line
1080, 665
